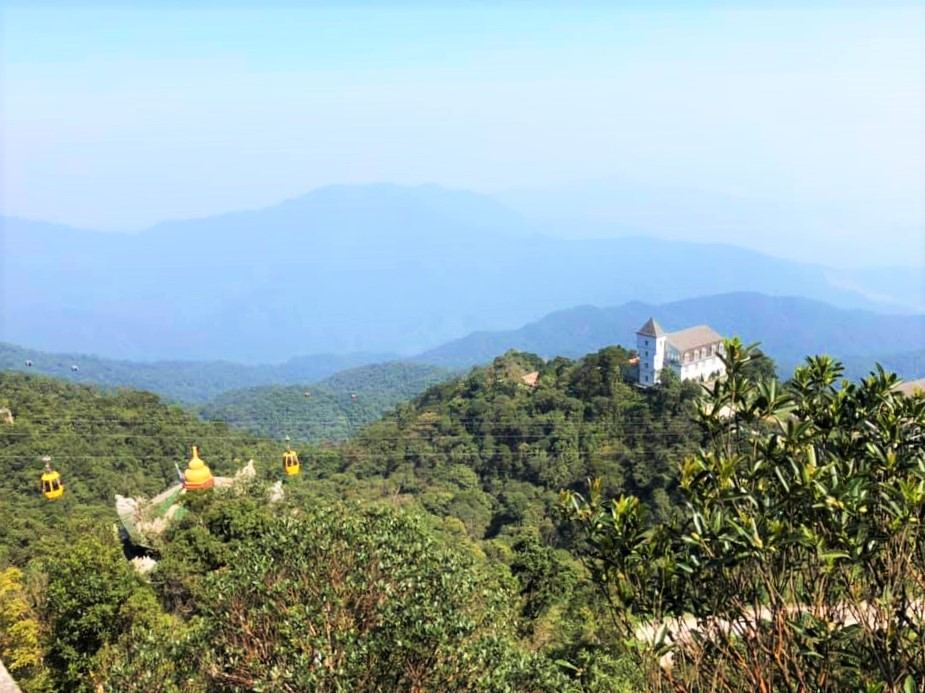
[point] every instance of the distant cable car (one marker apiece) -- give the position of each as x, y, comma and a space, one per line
28, 363
52, 486
291, 460
308, 394
75, 368
353, 396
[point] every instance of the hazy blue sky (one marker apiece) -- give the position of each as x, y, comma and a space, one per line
115, 118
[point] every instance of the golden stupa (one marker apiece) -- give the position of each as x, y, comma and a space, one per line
197, 475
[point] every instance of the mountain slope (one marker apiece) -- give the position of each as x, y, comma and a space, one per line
333, 409
125, 442
788, 328
345, 269
790, 228
182, 381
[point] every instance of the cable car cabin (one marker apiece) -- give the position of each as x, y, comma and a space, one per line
52, 486
291, 463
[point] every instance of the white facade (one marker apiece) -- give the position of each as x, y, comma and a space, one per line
651, 349
696, 364
694, 353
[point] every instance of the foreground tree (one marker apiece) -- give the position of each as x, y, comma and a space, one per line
799, 563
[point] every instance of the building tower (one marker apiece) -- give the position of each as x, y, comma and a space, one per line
651, 344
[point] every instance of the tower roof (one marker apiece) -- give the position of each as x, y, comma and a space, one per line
652, 329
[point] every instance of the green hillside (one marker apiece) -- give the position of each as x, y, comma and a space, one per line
466, 475
179, 381
582, 418
103, 443
331, 410
446, 546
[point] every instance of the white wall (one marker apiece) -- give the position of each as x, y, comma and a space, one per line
651, 352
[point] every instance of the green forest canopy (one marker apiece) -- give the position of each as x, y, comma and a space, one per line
334, 409
457, 487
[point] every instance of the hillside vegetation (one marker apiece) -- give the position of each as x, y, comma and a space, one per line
103, 443
798, 561
331, 410
454, 545
582, 418
445, 505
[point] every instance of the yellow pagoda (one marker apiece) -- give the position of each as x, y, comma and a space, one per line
197, 476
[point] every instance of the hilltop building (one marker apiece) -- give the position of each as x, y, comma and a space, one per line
694, 353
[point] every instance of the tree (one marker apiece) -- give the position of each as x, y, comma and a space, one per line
346, 599
88, 604
799, 563
21, 647
760, 366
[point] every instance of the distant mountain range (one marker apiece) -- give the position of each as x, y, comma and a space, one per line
180, 381
788, 328
779, 225
376, 268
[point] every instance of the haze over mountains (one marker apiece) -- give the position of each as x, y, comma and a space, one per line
789, 329
777, 223
376, 268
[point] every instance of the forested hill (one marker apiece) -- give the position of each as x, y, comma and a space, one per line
331, 410
488, 448
457, 488
180, 381
525, 442
103, 443
436, 532
492, 448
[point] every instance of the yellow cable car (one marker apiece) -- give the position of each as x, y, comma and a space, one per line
52, 486
291, 460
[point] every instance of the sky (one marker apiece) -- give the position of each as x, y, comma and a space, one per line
115, 116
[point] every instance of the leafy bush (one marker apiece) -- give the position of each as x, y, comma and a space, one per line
799, 563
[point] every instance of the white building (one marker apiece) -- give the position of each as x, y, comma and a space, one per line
693, 353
